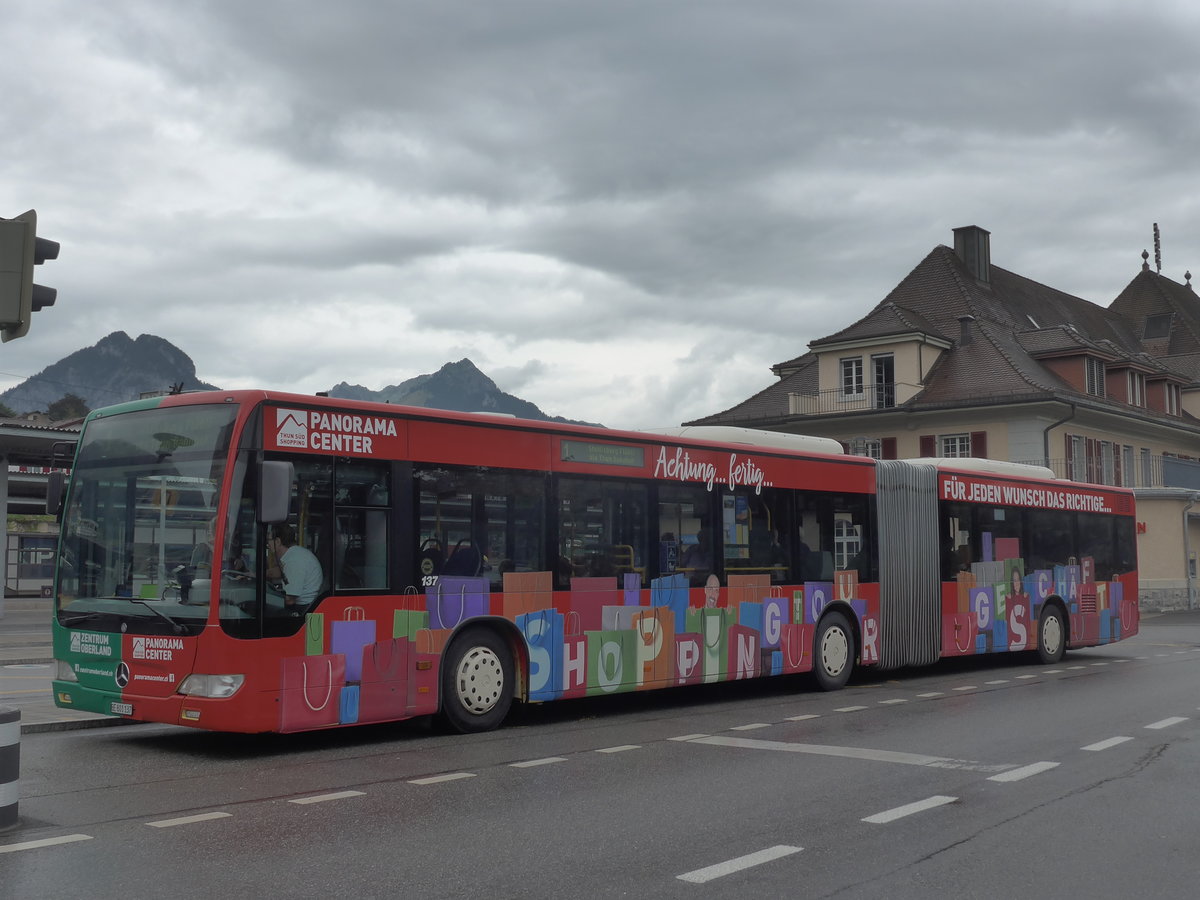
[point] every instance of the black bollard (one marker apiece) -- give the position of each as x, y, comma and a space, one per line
10, 764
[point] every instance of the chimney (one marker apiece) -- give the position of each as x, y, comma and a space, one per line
973, 246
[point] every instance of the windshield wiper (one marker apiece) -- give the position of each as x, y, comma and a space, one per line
179, 629
83, 617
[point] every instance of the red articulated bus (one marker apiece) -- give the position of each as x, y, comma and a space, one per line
253, 561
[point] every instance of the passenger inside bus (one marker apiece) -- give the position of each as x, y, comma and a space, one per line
296, 567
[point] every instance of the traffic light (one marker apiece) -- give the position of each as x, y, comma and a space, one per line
20, 250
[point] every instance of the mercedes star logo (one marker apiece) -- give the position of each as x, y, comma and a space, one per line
122, 676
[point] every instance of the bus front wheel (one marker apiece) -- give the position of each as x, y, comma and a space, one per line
833, 652
477, 681
1052, 635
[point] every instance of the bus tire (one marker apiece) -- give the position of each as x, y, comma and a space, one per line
833, 652
477, 681
1052, 634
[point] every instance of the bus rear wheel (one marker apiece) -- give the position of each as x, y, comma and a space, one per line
477, 681
833, 652
1052, 635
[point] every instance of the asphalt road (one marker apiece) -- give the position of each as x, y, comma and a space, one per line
965, 780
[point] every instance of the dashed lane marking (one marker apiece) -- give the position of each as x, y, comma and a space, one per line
45, 842
1167, 723
909, 809
1107, 743
729, 867
1025, 771
190, 820
438, 779
324, 798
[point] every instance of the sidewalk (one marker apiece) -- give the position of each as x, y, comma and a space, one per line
27, 669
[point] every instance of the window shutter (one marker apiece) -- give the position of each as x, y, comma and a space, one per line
979, 444
1070, 458
928, 445
888, 448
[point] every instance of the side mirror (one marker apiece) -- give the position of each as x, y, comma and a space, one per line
54, 493
274, 491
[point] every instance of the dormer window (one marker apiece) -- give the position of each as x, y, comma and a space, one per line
1135, 383
1157, 326
1172, 399
1094, 369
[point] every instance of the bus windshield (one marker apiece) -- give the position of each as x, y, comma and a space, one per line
136, 537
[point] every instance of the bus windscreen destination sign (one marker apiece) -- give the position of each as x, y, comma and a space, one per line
603, 454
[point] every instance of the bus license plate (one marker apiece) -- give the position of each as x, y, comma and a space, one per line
117, 708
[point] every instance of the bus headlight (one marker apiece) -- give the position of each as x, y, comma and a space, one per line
211, 686
63, 671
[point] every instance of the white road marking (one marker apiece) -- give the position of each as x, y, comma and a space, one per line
802, 718
1073, 668
45, 842
1167, 723
966, 687
620, 749
931, 694
849, 708
750, 727
438, 779
720, 870
1052, 672
687, 737
1025, 771
530, 763
889, 756
1023, 677
889, 702
1099, 664
998, 681
189, 820
909, 809
322, 798
1105, 744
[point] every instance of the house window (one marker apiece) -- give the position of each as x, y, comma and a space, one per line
1127, 476
852, 377
954, 445
847, 541
1095, 376
872, 447
1107, 463
1136, 387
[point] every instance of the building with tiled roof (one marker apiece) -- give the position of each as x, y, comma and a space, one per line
964, 358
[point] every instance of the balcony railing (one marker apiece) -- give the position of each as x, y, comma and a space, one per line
1145, 472
835, 402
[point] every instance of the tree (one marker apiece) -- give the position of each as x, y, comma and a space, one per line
69, 407
6, 412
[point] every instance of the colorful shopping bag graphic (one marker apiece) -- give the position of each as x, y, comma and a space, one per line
314, 634
543, 632
612, 661
526, 592
348, 636
383, 694
310, 691
655, 629
454, 599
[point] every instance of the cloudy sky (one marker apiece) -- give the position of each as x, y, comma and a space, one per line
624, 212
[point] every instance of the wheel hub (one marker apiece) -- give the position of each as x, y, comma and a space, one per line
479, 680
835, 651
